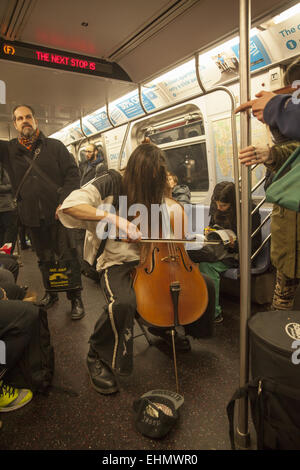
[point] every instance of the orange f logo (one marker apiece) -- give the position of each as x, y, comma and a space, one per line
10, 50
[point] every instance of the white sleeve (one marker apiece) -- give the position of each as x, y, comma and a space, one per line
88, 195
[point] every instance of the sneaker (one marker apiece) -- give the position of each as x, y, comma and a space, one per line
13, 398
219, 318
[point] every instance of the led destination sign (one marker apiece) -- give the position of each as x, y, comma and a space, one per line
84, 64
37, 55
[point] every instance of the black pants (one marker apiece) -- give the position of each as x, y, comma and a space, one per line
10, 263
112, 339
17, 323
53, 242
13, 291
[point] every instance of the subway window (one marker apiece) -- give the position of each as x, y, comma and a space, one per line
189, 164
187, 157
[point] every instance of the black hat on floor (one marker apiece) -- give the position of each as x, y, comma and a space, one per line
156, 412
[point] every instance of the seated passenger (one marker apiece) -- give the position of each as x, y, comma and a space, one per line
14, 291
144, 182
180, 192
223, 216
17, 325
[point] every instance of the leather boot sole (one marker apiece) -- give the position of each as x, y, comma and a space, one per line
182, 343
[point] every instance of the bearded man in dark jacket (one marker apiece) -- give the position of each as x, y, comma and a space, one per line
52, 178
93, 164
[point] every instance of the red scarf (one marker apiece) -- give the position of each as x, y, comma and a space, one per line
29, 141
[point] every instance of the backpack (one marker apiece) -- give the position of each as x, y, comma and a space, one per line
36, 368
275, 411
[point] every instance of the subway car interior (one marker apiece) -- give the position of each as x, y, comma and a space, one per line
114, 74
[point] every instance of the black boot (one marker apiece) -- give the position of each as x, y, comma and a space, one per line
182, 343
102, 378
48, 300
77, 311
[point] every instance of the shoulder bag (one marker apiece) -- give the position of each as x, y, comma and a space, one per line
285, 187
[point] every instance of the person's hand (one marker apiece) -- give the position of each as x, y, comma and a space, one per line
258, 105
252, 155
207, 230
130, 230
4, 294
231, 242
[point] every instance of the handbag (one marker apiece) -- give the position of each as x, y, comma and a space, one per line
285, 187
61, 275
218, 251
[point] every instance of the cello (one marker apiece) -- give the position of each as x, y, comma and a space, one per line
170, 289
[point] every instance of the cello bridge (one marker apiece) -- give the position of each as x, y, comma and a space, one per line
170, 259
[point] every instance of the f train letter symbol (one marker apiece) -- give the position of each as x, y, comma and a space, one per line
2, 92
2, 352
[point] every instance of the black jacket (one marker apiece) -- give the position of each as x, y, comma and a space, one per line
88, 170
6, 197
37, 199
181, 193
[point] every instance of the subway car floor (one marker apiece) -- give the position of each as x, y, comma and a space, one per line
86, 420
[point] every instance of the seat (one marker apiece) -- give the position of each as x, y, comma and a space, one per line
262, 262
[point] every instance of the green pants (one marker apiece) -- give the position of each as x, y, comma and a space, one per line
213, 270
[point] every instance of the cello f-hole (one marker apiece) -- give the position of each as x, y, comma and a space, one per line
190, 268
147, 271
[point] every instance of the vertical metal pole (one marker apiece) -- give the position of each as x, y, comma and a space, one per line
123, 146
141, 99
242, 432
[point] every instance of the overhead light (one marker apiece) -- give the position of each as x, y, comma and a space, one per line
287, 14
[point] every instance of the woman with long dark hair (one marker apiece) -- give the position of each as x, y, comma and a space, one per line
144, 183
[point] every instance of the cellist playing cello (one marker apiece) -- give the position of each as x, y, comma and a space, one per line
144, 183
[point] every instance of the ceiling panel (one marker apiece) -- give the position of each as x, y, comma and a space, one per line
145, 38
58, 97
